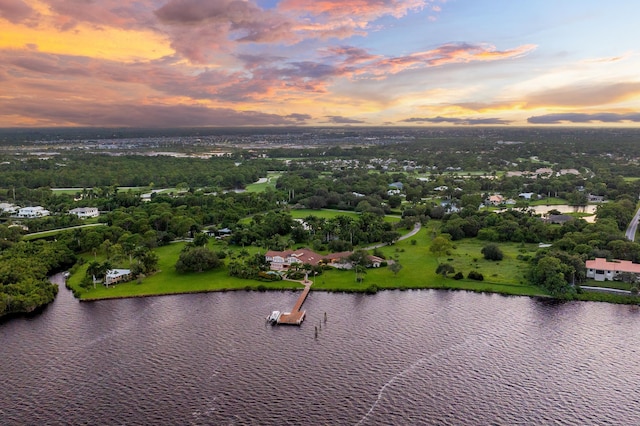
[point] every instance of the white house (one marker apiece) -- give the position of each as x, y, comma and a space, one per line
114, 276
601, 269
85, 212
33, 212
9, 208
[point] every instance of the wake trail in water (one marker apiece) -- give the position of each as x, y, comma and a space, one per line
474, 342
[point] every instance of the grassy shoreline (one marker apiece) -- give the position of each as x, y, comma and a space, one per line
507, 277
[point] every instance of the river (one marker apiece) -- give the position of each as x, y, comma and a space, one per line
397, 357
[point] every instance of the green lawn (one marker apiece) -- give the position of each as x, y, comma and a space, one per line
551, 201
418, 271
168, 281
419, 267
272, 178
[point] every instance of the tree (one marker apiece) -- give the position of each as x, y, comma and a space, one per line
200, 239
549, 273
492, 252
395, 267
444, 269
360, 260
197, 259
440, 246
390, 237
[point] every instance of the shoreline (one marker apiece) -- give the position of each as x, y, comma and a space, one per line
623, 300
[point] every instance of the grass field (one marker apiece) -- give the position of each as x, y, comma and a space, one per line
551, 201
168, 281
419, 266
271, 179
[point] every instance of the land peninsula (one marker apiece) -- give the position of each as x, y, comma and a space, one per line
500, 210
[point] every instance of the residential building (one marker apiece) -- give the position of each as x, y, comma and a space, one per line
495, 199
85, 212
283, 260
9, 208
600, 269
33, 212
114, 276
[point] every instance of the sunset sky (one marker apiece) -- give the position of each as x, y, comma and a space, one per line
165, 63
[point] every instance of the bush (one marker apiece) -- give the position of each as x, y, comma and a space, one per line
458, 276
492, 252
372, 289
474, 275
197, 259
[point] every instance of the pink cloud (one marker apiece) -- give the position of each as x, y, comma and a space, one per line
70, 112
443, 55
16, 10
368, 9
115, 13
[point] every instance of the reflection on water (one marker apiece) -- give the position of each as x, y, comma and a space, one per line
400, 357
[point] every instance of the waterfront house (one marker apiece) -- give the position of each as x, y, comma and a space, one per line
114, 276
600, 269
283, 260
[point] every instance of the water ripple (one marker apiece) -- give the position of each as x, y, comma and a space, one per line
414, 357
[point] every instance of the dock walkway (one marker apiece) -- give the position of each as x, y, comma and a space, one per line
296, 316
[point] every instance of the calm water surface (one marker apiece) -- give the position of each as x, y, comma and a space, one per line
413, 357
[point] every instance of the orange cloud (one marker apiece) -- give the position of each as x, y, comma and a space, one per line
584, 95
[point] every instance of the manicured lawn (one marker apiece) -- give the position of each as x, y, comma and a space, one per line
324, 213
419, 266
272, 178
168, 281
552, 201
608, 284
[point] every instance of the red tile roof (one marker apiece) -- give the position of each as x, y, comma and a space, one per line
617, 265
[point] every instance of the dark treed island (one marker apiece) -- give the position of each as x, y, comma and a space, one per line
135, 212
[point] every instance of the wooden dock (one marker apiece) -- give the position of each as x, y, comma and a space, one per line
296, 316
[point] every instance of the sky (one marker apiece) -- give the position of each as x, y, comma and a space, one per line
175, 63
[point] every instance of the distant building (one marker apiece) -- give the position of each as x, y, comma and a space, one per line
495, 199
33, 212
569, 172
595, 198
526, 195
601, 269
85, 212
544, 171
396, 185
8, 208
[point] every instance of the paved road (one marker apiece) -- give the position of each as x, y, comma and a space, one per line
414, 231
633, 227
605, 290
65, 229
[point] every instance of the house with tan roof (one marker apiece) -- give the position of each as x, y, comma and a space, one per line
600, 269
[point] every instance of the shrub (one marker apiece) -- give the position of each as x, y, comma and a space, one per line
474, 275
458, 276
492, 252
372, 289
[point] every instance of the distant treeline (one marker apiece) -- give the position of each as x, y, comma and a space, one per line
91, 171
